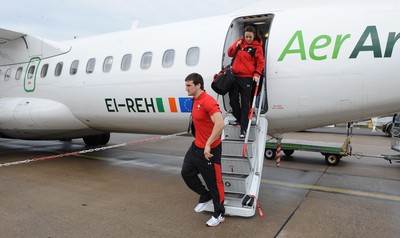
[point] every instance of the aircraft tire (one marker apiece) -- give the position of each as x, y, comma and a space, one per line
270, 154
389, 129
101, 139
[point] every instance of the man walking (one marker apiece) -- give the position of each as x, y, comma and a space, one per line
204, 155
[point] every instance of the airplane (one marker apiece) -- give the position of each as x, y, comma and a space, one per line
326, 62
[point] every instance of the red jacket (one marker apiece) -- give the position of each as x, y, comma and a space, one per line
249, 60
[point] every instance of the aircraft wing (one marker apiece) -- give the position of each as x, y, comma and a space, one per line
6, 35
17, 47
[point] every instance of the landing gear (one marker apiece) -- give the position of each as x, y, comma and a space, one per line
102, 139
387, 129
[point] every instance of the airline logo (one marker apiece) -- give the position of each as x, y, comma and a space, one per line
149, 105
319, 47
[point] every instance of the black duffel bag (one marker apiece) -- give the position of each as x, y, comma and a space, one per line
223, 81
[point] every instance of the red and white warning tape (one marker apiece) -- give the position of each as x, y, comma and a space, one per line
278, 153
258, 205
91, 150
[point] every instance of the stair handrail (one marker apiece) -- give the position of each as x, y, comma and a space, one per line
244, 151
260, 102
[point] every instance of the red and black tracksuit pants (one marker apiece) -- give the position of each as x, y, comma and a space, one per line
195, 163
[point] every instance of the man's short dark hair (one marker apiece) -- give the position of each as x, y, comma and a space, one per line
196, 78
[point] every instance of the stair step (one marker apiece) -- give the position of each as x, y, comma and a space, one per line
232, 132
235, 165
234, 183
241, 175
233, 206
234, 196
232, 121
235, 148
234, 199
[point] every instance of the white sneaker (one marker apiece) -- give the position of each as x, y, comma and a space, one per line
201, 206
243, 135
215, 221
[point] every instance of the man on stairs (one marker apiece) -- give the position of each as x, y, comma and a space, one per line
204, 155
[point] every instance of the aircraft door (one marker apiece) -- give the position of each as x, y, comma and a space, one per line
262, 24
30, 74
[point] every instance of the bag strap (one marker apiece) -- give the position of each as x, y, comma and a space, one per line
234, 56
190, 129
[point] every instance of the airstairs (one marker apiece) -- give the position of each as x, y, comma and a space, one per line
242, 170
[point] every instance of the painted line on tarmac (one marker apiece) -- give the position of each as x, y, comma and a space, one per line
133, 163
173, 168
333, 190
75, 153
264, 181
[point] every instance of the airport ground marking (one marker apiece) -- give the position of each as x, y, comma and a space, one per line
394, 198
83, 153
76, 153
359, 193
333, 190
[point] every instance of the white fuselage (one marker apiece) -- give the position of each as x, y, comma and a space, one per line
327, 64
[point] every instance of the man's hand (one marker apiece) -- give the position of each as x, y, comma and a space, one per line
207, 152
218, 121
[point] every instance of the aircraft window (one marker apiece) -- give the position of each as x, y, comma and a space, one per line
146, 60
31, 71
74, 67
90, 65
107, 65
126, 62
58, 70
7, 75
192, 56
18, 73
168, 58
45, 68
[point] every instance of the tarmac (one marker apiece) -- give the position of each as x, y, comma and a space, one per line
135, 190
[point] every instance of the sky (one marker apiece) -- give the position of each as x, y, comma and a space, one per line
60, 20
